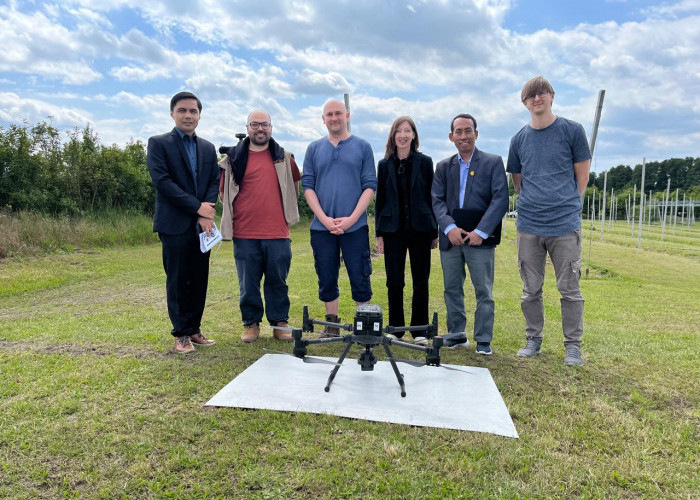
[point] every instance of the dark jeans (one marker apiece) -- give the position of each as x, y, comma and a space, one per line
417, 245
255, 258
355, 248
187, 275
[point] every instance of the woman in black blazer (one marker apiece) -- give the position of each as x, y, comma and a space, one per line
405, 222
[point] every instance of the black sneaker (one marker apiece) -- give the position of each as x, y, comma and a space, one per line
483, 348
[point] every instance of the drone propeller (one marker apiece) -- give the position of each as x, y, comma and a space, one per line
305, 359
419, 364
411, 362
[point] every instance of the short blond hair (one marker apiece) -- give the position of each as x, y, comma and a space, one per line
535, 86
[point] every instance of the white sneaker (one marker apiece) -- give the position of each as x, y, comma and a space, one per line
420, 341
461, 345
392, 336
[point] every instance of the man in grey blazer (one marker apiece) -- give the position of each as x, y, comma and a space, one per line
469, 189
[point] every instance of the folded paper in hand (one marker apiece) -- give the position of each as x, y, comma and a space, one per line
207, 242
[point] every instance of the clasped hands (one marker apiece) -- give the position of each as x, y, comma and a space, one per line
459, 236
338, 225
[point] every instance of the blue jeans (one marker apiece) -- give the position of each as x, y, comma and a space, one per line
480, 263
255, 258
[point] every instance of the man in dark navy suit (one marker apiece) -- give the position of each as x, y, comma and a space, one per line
469, 188
185, 174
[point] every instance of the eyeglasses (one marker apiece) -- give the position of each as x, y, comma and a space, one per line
262, 125
538, 94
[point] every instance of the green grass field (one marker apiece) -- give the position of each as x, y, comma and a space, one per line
95, 403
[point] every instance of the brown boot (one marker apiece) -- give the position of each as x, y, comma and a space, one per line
183, 344
282, 335
251, 334
200, 339
331, 331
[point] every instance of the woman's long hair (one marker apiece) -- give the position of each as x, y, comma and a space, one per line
391, 142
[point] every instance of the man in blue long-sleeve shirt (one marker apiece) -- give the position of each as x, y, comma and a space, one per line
339, 181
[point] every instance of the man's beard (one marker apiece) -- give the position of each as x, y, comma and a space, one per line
257, 142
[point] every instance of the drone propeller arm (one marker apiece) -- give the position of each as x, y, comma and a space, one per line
343, 326
430, 329
401, 343
415, 328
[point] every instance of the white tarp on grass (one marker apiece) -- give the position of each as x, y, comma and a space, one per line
435, 397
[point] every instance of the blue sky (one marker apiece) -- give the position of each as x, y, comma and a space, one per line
115, 64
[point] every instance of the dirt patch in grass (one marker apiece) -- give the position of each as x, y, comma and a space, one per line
74, 350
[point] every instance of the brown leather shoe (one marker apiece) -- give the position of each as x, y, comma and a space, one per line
282, 335
183, 344
200, 339
251, 334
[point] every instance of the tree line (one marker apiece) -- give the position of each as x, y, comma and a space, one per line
39, 172
684, 174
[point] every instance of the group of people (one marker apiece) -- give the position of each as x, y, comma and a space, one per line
458, 207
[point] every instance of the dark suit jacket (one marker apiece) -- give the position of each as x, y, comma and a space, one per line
177, 201
386, 206
487, 190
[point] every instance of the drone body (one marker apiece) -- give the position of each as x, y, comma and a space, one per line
367, 331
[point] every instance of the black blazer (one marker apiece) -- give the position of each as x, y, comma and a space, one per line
386, 206
487, 191
177, 201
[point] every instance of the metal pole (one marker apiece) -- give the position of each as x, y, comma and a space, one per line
663, 219
641, 205
596, 122
347, 107
675, 213
683, 212
612, 207
602, 212
634, 207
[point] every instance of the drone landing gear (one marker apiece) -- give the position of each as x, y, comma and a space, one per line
399, 375
367, 360
337, 367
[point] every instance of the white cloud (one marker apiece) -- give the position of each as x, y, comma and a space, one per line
313, 82
41, 47
16, 109
427, 58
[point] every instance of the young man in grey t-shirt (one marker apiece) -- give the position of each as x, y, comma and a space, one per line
549, 159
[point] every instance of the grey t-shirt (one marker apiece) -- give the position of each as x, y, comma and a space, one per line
549, 202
